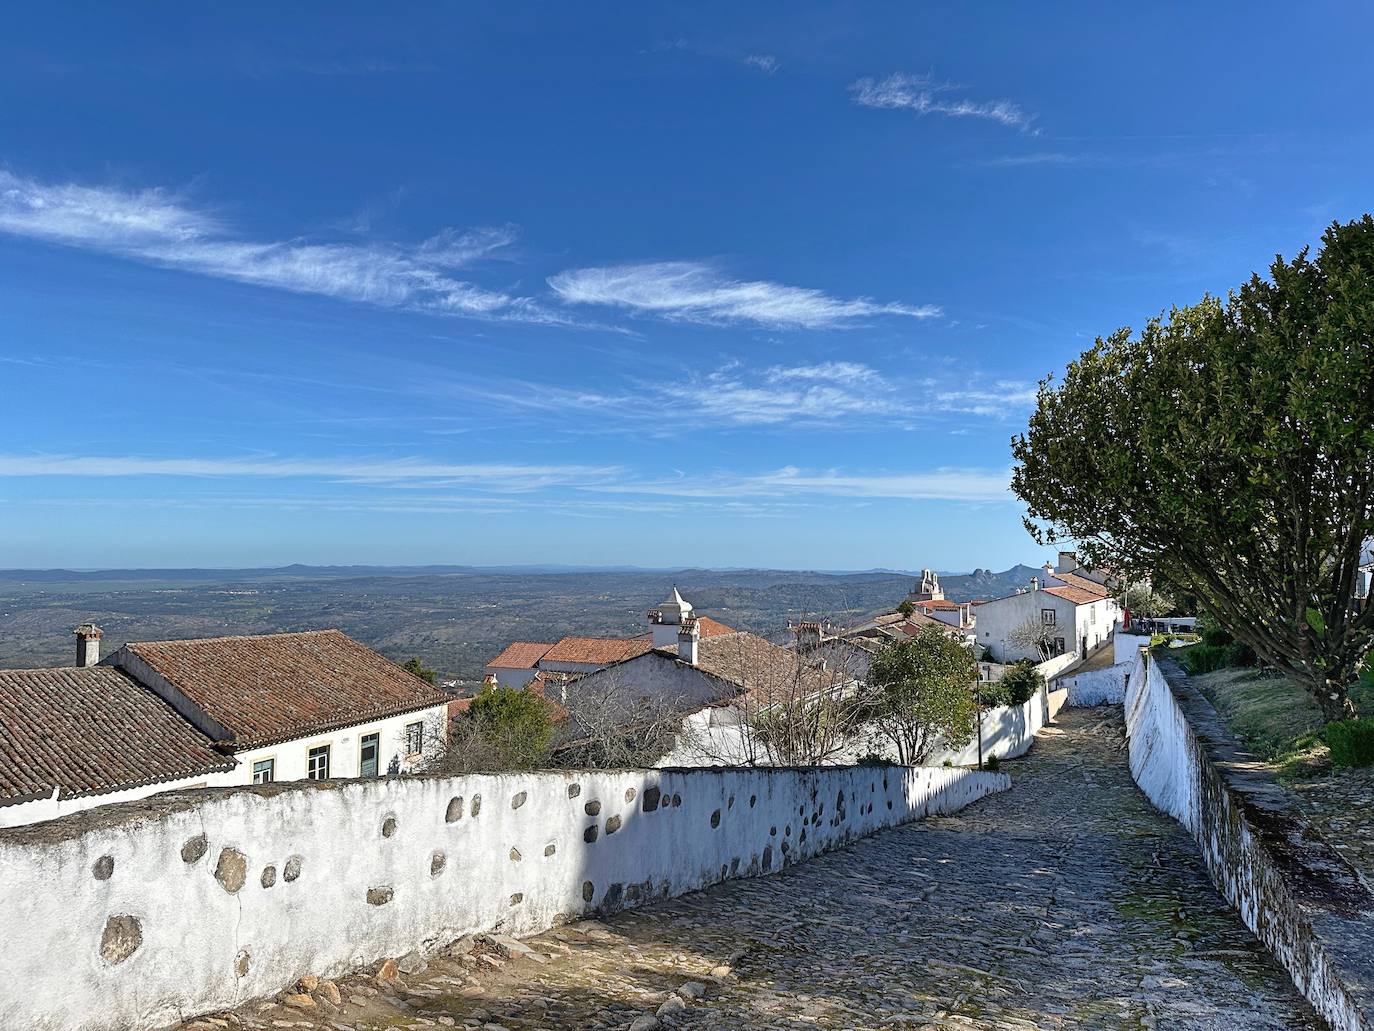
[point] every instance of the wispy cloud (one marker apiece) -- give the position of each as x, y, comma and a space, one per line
998, 399
766, 63
943, 484
526, 485
696, 292
157, 227
1051, 158
398, 471
923, 95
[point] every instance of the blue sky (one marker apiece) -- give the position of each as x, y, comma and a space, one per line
764, 285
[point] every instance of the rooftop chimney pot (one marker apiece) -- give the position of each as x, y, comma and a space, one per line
87, 644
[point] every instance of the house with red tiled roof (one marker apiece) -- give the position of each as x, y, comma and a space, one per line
517, 664
220, 711
310, 705
1070, 612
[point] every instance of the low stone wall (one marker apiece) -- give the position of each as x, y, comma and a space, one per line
136, 915
1298, 896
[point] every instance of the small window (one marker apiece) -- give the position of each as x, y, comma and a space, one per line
1092, 613
264, 771
415, 738
1047, 617
317, 763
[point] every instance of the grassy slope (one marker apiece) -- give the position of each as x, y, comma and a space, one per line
1273, 716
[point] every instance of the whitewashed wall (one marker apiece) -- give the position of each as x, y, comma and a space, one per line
509, 677
1095, 686
236, 894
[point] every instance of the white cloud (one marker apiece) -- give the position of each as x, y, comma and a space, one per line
944, 484
695, 292
766, 63
398, 471
999, 399
156, 227
920, 93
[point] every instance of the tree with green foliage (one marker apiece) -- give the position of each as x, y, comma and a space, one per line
419, 669
505, 728
920, 692
1227, 449
1143, 600
907, 607
1022, 681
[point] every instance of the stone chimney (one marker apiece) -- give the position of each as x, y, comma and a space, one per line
1035, 583
808, 634
688, 640
88, 644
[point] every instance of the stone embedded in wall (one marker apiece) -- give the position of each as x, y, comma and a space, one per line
574, 790
677, 800
592, 808
613, 825
588, 891
122, 936
103, 869
437, 862
380, 896
767, 863
269, 876
515, 856
454, 812
589, 835
293, 868
194, 849
753, 799
650, 800
476, 806
629, 794
388, 826
231, 870
243, 963
715, 819
550, 849
517, 898
519, 799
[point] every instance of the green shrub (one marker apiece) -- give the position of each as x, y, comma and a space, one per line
992, 764
1214, 635
1204, 658
874, 759
1351, 742
994, 694
1022, 682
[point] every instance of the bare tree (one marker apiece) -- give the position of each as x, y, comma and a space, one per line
1035, 635
610, 726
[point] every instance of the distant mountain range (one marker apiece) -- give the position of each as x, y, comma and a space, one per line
452, 617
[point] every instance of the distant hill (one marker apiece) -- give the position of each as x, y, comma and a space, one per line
452, 617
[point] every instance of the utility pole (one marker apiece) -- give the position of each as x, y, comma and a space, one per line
978, 716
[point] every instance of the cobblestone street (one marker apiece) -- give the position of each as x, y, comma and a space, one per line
1067, 902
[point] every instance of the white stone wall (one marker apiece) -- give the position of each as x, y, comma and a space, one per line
54, 806
1095, 686
508, 677
236, 894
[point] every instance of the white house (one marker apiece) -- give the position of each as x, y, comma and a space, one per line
1079, 613
517, 664
215, 712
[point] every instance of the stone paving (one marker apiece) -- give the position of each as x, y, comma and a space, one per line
1067, 902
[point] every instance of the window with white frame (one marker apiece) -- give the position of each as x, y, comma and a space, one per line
264, 771
317, 763
1047, 617
1092, 613
415, 738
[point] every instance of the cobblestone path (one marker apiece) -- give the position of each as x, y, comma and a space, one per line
1067, 902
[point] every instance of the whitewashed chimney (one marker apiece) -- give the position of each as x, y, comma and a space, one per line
666, 619
88, 644
1035, 583
688, 641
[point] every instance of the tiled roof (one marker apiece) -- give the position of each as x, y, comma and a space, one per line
755, 666
91, 730
1083, 584
1074, 594
938, 603
279, 686
709, 627
520, 655
598, 651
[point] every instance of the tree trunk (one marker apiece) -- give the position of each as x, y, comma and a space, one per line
1332, 698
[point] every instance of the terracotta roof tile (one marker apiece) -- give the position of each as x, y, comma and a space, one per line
1074, 594
752, 665
279, 686
599, 651
712, 627
520, 655
91, 730
1082, 583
